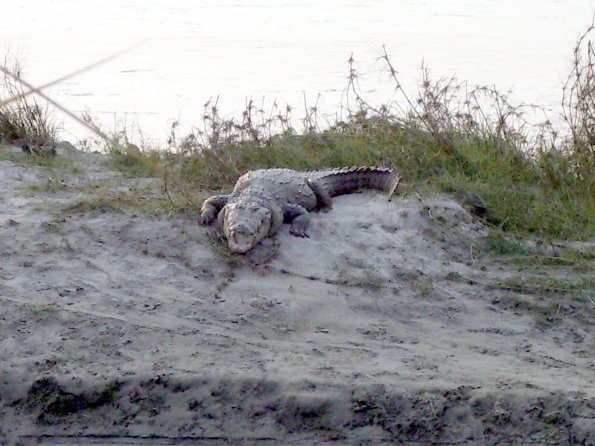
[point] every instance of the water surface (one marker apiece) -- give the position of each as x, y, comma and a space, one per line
288, 51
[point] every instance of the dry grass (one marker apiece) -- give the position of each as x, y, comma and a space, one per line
579, 105
23, 116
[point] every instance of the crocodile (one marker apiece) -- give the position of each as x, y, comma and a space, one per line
262, 200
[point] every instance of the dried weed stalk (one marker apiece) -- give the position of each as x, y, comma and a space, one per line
447, 107
579, 102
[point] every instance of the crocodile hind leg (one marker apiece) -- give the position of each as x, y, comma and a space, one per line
324, 201
211, 208
299, 218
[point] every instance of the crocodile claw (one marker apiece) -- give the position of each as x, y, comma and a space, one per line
206, 218
299, 232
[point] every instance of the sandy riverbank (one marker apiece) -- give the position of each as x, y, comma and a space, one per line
383, 326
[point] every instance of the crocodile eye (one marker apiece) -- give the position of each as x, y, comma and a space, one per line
265, 215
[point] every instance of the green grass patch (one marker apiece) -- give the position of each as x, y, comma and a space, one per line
551, 310
516, 188
581, 260
130, 160
546, 285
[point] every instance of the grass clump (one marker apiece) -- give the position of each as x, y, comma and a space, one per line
450, 137
24, 121
468, 141
130, 159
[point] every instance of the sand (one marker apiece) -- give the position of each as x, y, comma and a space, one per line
124, 327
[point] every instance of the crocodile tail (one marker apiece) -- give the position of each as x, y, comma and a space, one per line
348, 179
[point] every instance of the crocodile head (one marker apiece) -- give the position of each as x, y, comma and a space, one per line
245, 223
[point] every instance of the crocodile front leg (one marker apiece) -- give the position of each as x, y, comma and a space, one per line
324, 201
211, 208
299, 218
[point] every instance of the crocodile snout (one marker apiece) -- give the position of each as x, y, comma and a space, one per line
240, 240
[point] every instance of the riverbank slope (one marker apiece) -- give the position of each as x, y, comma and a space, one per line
392, 322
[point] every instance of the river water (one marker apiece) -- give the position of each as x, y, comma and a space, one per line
289, 51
